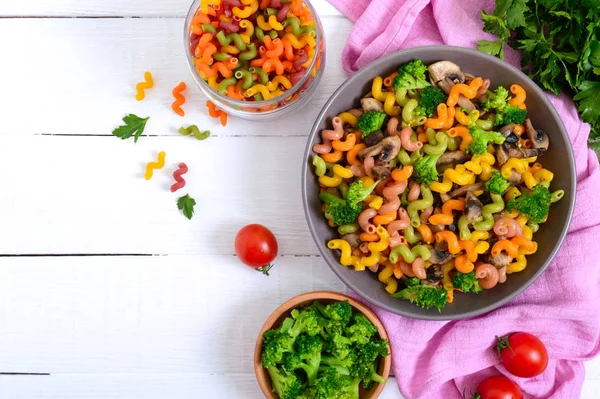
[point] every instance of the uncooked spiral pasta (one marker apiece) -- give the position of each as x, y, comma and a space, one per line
151, 166
177, 175
179, 99
194, 131
434, 193
148, 83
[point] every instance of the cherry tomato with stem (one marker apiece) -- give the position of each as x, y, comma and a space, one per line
523, 354
256, 247
498, 387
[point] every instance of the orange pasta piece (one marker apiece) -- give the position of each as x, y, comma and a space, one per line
264, 4
453, 205
402, 174
368, 237
273, 64
422, 137
440, 121
332, 157
518, 129
449, 118
289, 50
524, 243
450, 238
440, 218
463, 265
520, 96
469, 247
469, 91
353, 153
389, 80
384, 219
425, 233
233, 93
463, 133
504, 245
345, 145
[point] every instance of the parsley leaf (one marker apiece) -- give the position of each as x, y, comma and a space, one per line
515, 14
492, 47
186, 205
589, 101
494, 25
134, 126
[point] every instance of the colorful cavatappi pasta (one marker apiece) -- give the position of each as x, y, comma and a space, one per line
434, 183
254, 50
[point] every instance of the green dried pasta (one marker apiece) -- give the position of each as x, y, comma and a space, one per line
225, 83
411, 236
319, 164
264, 78
246, 76
409, 255
439, 146
193, 130
463, 228
418, 205
249, 54
225, 40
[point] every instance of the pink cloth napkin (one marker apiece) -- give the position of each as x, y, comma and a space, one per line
440, 359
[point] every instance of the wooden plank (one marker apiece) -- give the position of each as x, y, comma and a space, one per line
66, 194
137, 315
155, 386
108, 8
79, 76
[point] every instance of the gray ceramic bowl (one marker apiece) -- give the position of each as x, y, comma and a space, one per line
558, 159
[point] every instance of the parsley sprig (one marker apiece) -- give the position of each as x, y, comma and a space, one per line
134, 126
186, 205
560, 42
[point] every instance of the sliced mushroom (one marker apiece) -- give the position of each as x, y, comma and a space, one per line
435, 272
539, 139
381, 172
374, 138
499, 261
473, 207
387, 149
353, 239
515, 177
463, 190
453, 157
517, 152
507, 129
512, 138
371, 104
501, 155
440, 70
439, 256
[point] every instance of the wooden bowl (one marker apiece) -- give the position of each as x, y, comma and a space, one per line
325, 297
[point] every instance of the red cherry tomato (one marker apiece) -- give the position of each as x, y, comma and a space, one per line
523, 354
498, 387
256, 247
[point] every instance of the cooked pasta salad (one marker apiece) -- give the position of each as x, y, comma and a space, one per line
435, 183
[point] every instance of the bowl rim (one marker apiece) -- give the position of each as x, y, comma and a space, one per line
315, 296
359, 75
319, 39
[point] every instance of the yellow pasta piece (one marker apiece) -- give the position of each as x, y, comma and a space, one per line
383, 243
212, 82
486, 171
512, 193
348, 118
376, 203
529, 180
344, 173
481, 247
479, 235
543, 175
346, 259
386, 277
518, 265
447, 282
330, 181
459, 175
367, 181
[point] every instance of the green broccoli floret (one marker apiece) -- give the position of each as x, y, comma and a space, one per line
466, 282
431, 97
481, 138
346, 212
339, 311
307, 356
341, 366
425, 171
275, 345
497, 183
333, 385
357, 192
286, 385
305, 320
511, 114
424, 296
370, 122
533, 204
411, 76
364, 366
496, 100
412, 281
361, 329
338, 345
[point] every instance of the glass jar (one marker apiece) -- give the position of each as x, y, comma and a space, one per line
291, 99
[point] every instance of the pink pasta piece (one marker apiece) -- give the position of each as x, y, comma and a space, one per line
407, 143
364, 220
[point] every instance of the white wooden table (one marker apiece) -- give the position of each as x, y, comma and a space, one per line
106, 291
